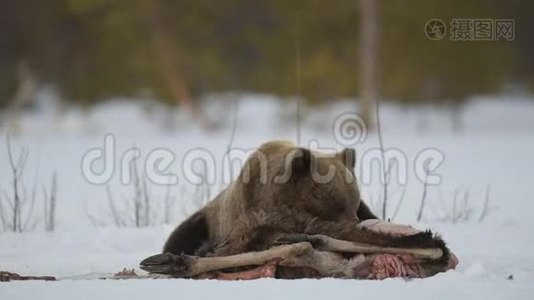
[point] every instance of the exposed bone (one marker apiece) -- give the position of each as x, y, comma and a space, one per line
326, 243
198, 265
265, 271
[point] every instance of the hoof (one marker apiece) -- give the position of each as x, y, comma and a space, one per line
167, 263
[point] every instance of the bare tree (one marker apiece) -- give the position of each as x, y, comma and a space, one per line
369, 37
385, 170
167, 54
369, 41
298, 76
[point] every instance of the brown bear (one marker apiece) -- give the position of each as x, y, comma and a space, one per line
284, 189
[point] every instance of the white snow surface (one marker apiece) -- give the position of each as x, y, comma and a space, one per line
495, 148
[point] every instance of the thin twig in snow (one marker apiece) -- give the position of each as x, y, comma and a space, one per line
116, 217
33, 198
146, 199
486, 203
399, 203
50, 222
383, 156
168, 204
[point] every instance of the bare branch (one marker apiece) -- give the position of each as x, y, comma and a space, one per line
46, 207
116, 217
423, 199
231, 141
383, 157
21, 162
168, 204
32, 203
50, 206
399, 203
17, 172
137, 194
146, 198
6, 197
454, 204
10, 154
486, 203
3, 218
92, 219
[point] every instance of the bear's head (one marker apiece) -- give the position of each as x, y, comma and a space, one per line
284, 175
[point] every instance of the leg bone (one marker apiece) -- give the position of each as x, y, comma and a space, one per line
294, 255
326, 243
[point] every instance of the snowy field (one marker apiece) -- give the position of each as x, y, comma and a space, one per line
493, 151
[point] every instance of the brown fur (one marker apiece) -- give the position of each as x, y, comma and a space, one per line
263, 204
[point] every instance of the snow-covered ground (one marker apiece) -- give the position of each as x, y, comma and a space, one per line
494, 149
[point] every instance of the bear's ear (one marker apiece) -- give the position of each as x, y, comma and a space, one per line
348, 157
300, 160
